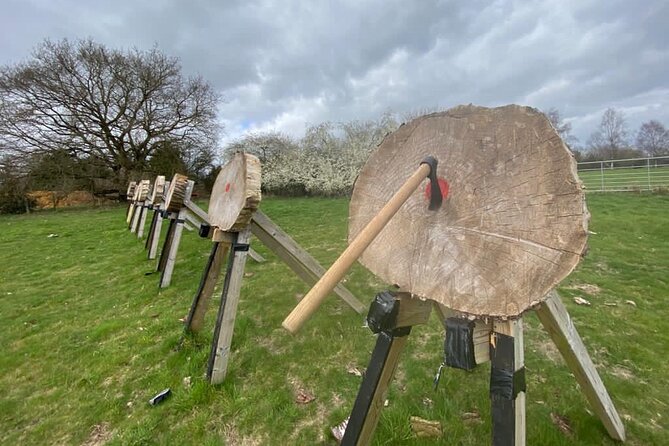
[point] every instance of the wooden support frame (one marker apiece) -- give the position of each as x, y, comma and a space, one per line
555, 319
153, 239
172, 239
504, 341
300, 261
136, 214
195, 319
142, 218
389, 345
507, 383
219, 356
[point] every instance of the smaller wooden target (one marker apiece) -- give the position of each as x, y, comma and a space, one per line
174, 197
130, 193
236, 193
143, 190
158, 189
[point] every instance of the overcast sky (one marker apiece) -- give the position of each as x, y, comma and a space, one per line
283, 64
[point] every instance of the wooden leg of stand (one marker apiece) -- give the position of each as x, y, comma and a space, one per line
155, 237
130, 214
162, 260
139, 210
385, 357
142, 222
555, 319
507, 383
166, 275
369, 402
152, 228
255, 256
225, 321
212, 271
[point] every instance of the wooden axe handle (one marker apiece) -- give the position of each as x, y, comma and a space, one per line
310, 303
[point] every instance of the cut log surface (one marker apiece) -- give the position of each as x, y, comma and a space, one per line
514, 222
143, 190
158, 189
174, 197
130, 193
236, 193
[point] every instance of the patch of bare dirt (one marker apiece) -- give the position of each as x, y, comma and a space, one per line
232, 436
587, 288
621, 372
547, 348
100, 434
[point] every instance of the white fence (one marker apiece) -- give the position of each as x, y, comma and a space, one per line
635, 174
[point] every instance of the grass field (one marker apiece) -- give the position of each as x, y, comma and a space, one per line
625, 178
87, 339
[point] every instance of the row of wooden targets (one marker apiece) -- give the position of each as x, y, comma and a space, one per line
489, 254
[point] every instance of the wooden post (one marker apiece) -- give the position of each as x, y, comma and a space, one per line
300, 261
555, 319
310, 303
225, 321
142, 220
162, 260
390, 342
139, 210
212, 271
169, 254
152, 227
155, 235
507, 383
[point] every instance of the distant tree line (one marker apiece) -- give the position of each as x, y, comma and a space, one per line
612, 138
80, 116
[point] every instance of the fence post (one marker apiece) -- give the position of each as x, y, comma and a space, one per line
648, 172
601, 170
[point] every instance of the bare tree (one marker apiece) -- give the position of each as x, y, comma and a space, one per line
94, 101
610, 138
561, 126
653, 138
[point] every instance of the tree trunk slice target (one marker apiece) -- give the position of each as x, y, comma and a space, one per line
174, 197
513, 223
130, 193
158, 189
236, 193
143, 190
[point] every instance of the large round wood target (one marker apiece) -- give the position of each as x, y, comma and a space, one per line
513, 223
236, 193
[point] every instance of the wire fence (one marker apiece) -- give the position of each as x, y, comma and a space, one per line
634, 174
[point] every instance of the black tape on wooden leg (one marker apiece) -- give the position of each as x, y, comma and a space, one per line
459, 344
505, 385
382, 312
204, 230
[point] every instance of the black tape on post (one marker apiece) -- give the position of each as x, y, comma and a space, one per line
382, 312
459, 344
505, 385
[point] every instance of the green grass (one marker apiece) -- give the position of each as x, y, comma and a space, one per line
88, 338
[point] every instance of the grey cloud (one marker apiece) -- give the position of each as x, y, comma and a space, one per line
282, 64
